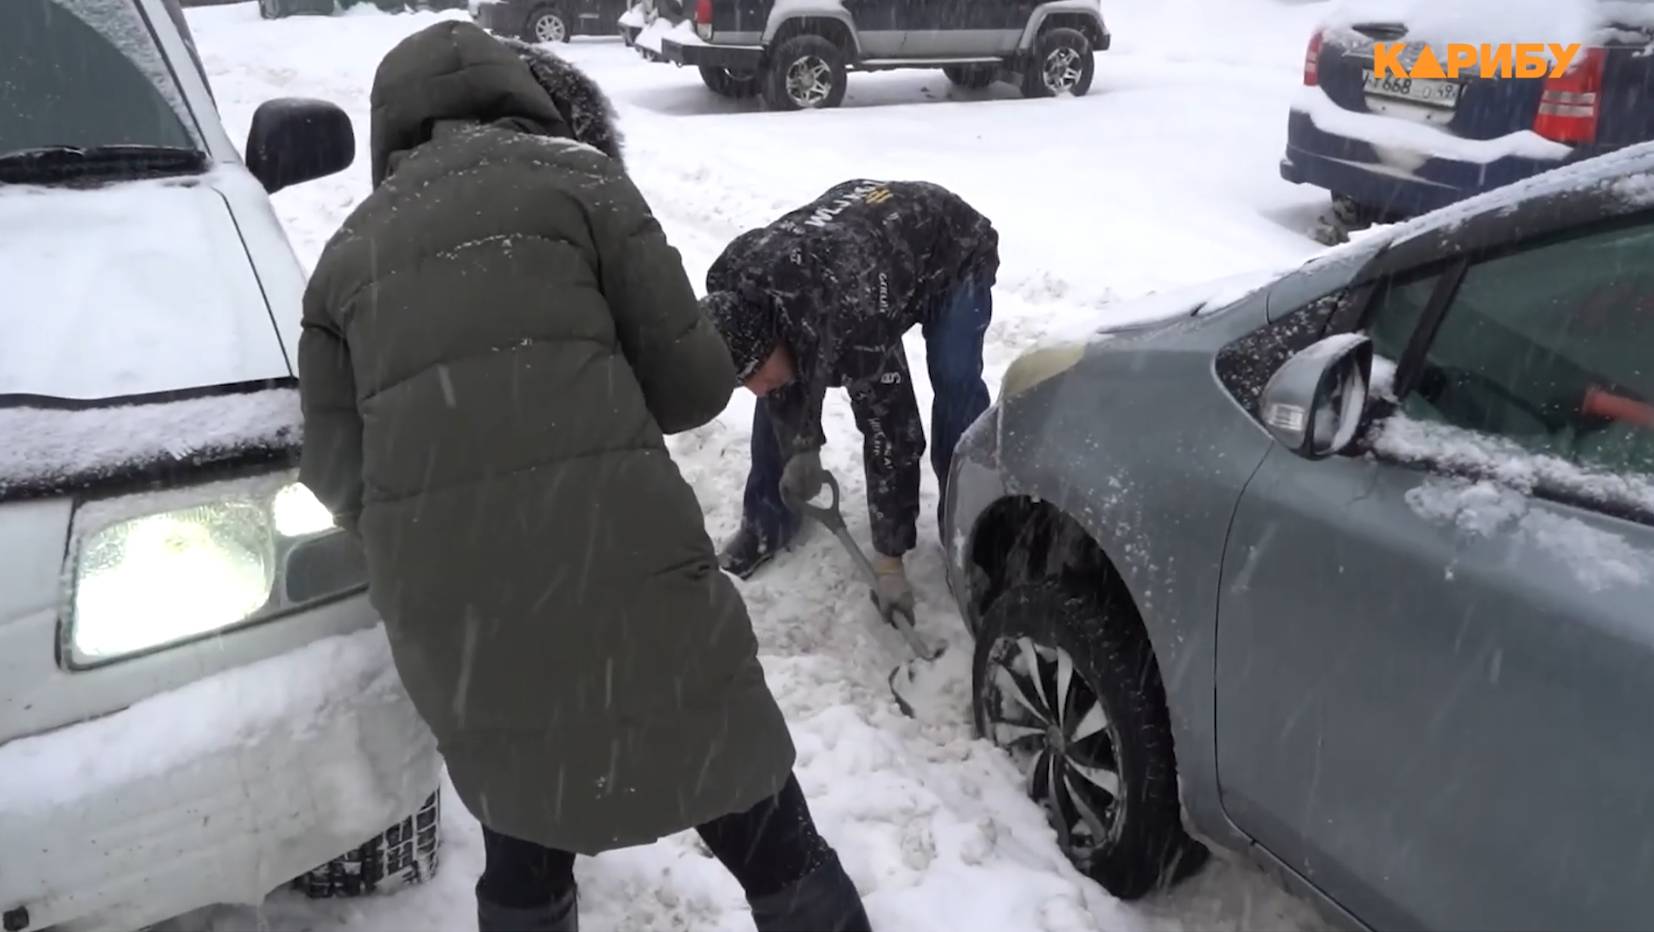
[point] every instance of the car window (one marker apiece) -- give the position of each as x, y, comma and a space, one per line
1552, 348
83, 73
1396, 307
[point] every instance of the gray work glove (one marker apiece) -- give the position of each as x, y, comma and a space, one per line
892, 590
803, 476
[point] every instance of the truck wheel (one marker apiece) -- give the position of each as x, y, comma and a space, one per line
737, 85
805, 73
973, 77
403, 855
546, 24
1066, 683
1063, 63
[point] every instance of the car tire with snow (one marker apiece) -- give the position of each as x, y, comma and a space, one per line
1063, 62
1066, 682
737, 85
403, 855
972, 77
546, 24
805, 73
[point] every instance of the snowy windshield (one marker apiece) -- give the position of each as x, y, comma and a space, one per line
85, 73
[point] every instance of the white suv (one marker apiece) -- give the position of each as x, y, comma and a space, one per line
197, 704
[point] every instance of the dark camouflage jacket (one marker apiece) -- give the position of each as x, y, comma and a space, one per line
848, 275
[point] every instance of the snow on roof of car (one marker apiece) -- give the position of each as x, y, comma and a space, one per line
50, 450
1545, 21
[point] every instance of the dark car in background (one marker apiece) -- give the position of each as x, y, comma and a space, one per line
1393, 148
549, 20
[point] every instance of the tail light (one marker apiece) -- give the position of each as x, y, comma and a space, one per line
703, 18
1570, 104
1312, 60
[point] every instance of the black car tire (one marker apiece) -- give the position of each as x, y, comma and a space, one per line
1061, 51
737, 85
973, 77
1131, 841
808, 61
404, 855
547, 24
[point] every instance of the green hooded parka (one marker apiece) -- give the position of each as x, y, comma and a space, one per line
494, 344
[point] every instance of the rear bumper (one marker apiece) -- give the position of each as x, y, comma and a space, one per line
733, 57
1353, 168
260, 774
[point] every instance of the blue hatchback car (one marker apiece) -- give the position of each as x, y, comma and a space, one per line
1389, 148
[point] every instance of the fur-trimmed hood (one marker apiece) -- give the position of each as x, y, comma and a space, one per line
453, 72
584, 106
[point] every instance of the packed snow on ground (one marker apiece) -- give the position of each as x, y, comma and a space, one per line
1164, 176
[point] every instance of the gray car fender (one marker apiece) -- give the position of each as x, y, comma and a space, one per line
1030, 32
786, 10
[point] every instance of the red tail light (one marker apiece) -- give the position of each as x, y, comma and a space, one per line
1570, 105
1312, 60
703, 12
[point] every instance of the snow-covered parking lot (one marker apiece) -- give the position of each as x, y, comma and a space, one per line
1163, 176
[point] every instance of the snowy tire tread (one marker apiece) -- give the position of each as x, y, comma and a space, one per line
1150, 849
404, 855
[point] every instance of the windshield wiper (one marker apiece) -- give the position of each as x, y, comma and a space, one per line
56, 164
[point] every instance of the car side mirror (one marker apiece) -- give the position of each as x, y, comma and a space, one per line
1313, 405
294, 140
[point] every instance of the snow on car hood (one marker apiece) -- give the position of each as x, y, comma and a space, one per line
1158, 307
128, 289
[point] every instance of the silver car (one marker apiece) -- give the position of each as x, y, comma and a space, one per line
196, 702
1353, 574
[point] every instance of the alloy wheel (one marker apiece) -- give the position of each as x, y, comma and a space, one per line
1055, 727
1062, 70
549, 27
809, 81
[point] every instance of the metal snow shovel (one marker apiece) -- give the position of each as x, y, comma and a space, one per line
897, 616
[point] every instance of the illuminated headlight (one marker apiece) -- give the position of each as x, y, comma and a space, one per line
147, 576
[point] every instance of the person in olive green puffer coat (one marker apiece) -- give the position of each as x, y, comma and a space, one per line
494, 344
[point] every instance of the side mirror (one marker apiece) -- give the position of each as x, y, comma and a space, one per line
1314, 403
294, 140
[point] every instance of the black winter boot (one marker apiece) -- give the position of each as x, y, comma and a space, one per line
825, 900
561, 916
746, 552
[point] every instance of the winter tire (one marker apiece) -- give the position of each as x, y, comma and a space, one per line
737, 85
805, 73
1066, 683
403, 855
972, 77
1063, 63
546, 24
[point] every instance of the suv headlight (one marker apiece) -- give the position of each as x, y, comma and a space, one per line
154, 571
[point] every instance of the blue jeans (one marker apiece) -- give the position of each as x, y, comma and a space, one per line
953, 354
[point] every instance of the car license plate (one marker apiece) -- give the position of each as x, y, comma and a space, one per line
1430, 92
